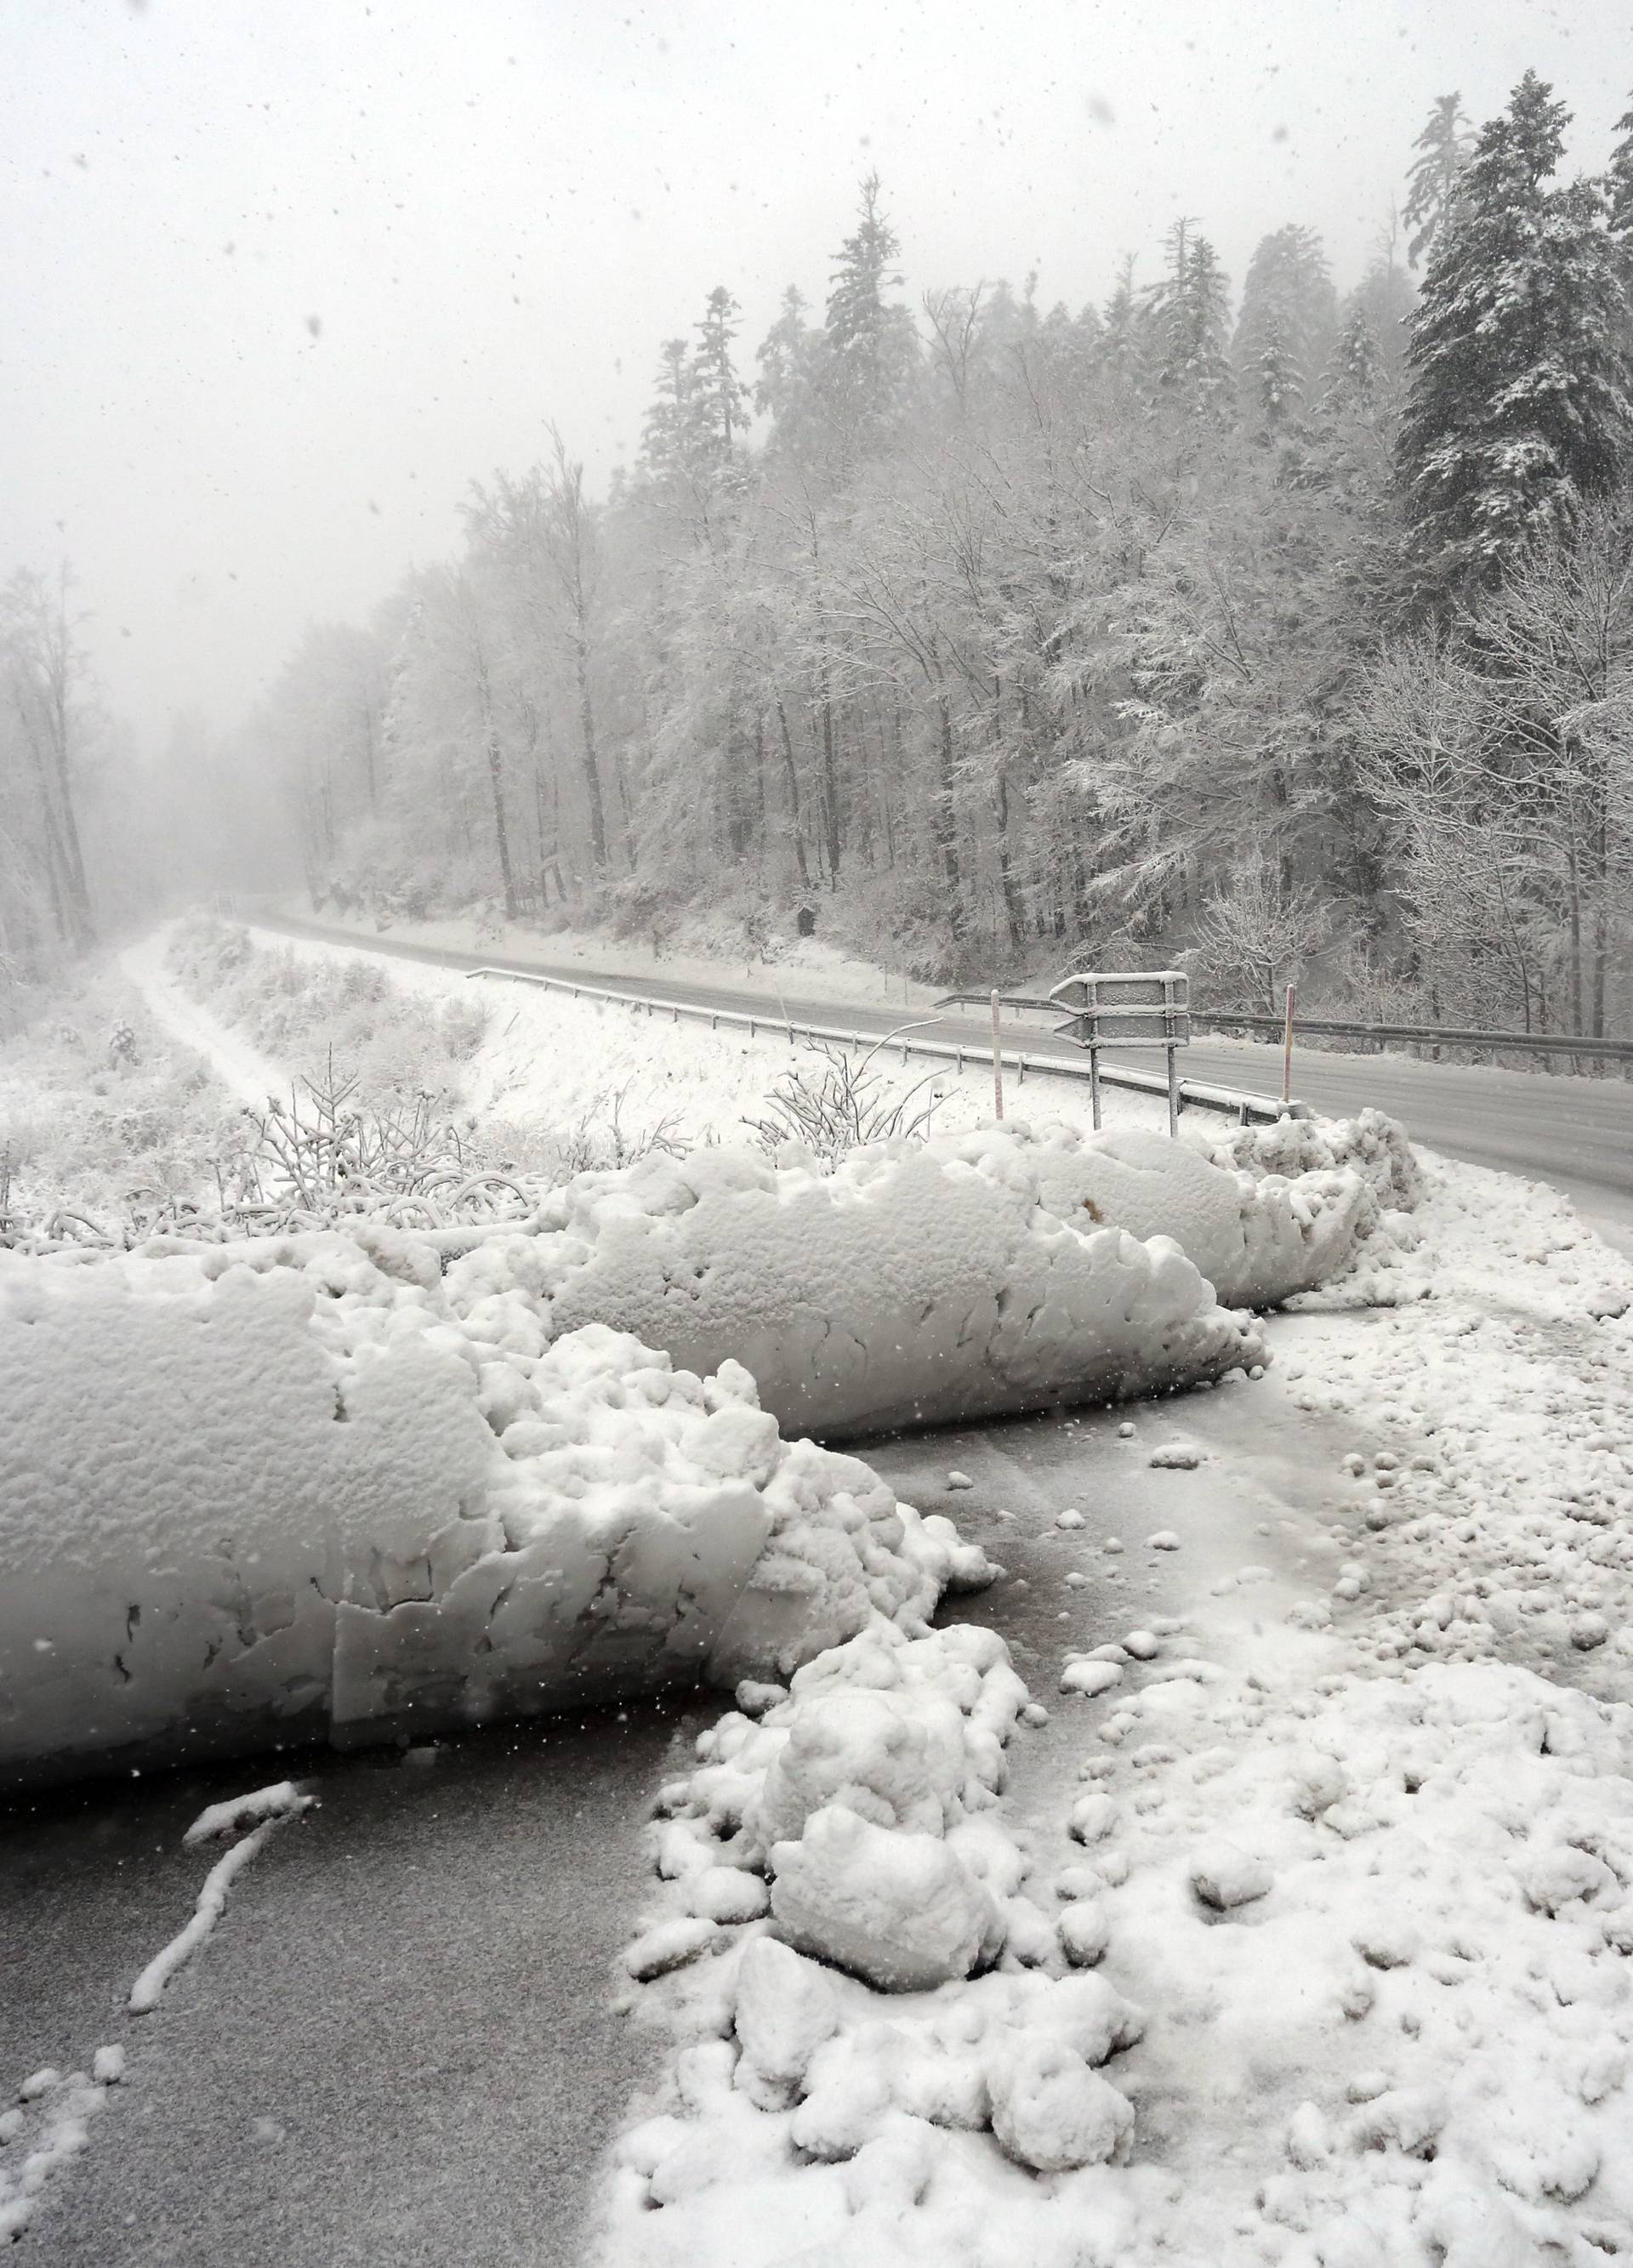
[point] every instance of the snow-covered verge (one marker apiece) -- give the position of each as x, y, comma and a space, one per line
555, 1084
1355, 1893
103, 1107
701, 949
305, 1500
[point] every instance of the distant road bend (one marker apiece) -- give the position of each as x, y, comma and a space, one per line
1576, 1133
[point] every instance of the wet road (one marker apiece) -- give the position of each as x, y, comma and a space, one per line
1576, 1133
398, 2050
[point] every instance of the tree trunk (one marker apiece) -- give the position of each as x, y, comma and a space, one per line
592, 770
946, 823
830, 780
793, 794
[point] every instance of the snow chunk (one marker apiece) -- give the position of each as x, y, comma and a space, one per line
670, 1945
1090, 1678
1050, 2112
899, 1910
917, 1283
785, 2008
1223, 1876
1084, 1932
387, 1519
1177, 1456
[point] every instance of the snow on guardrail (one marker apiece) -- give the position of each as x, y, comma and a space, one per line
1246, 1109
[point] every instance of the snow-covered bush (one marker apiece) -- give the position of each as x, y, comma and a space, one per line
123, 1143
346, 1513
302, 1011
834, 1101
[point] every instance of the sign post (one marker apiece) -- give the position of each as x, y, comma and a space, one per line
1286, 1053
1127, 1009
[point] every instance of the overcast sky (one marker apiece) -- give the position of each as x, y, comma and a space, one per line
279, 280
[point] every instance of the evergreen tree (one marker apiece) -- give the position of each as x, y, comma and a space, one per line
1518, 403
782, 389
1286, 325
1384, 296
1122, 345
1356, 375
871, 346
667, 432
1444, 146
1619, 181
1189, 311
718, 399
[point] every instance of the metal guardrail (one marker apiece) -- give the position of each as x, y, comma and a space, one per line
1246, 1109
1534, 1043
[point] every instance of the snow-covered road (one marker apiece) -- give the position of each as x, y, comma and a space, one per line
248, 1074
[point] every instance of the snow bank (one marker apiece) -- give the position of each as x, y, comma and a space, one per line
1371, 1145
1388, 2013
919, 1283
241, 1505
1258, 1237
865, 1802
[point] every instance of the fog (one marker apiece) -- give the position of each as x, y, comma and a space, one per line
281, 281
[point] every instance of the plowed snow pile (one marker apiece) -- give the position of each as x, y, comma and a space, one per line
316, 1488
1340, 1973
922, 1282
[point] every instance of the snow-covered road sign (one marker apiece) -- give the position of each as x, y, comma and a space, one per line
1127, 1008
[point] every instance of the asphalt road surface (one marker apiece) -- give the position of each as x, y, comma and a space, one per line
1576, 1133
398, 2049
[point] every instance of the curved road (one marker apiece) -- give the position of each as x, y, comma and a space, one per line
1576, 1133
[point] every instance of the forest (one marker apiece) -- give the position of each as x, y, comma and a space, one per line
1274, 631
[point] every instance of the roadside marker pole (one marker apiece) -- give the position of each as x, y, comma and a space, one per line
1094, 1084
1287, 1052
1173, 1094
997, 1064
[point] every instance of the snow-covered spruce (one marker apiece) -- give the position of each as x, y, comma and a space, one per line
920, 1281
238, 1507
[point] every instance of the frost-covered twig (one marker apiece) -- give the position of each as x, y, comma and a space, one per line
149, 1987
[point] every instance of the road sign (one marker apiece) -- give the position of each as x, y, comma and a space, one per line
1127, 1008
